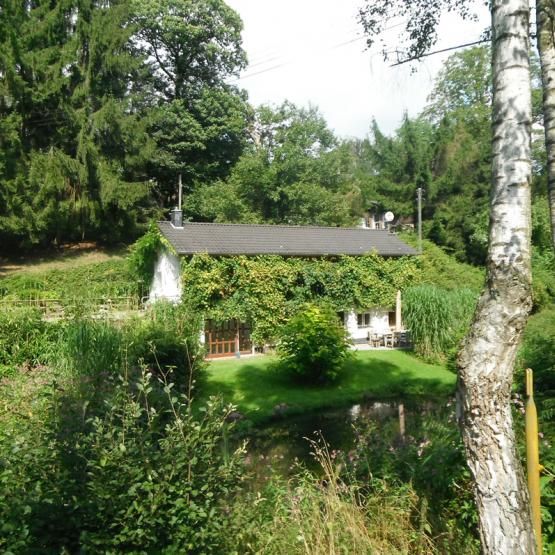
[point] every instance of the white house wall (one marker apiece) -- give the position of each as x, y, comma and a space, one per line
379, 323
166, 283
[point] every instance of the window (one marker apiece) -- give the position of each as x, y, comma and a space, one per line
363, 319
392, 319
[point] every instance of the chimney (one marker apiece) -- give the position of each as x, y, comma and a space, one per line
176, 217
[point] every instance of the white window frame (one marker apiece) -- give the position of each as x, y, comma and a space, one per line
366, 320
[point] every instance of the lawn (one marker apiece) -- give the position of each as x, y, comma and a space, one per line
255, 387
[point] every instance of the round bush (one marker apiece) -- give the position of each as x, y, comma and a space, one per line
314, 345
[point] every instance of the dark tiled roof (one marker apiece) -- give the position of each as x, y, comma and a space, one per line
250, 239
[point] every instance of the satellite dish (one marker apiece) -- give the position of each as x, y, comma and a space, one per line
388, 216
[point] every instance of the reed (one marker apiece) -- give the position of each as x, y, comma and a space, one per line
437, 318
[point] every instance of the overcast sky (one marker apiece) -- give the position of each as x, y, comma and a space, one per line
312, 51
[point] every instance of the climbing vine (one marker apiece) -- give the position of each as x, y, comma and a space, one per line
145, 252
266, 290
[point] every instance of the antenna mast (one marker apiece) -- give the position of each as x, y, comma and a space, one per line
180, 191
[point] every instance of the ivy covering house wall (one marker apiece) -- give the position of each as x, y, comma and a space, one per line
145, 251
266, 290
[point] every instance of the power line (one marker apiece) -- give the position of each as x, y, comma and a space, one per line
290, 62
426, 54
316, 54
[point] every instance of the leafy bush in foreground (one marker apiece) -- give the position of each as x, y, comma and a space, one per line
167, 338
314, 345
142, 475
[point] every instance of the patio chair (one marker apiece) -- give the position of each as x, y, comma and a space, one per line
375, 339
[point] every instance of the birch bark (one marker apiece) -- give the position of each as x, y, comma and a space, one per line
487, 358
545, 16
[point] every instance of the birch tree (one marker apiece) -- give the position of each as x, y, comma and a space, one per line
545, 17
486, 361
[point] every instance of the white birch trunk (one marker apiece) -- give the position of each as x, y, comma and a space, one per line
545, 16
487, 359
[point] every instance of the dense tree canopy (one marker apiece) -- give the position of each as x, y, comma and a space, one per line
101, 103
290, 173
104, 104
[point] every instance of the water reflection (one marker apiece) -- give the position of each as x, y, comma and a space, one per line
282, 445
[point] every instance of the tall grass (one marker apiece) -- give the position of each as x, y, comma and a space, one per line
437, 318
311, 515
26, 340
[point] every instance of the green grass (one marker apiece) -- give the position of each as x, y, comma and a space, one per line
255, 387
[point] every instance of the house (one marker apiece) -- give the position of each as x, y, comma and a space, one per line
374, 219
225, 240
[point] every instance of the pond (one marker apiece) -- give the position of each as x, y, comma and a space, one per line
283, 444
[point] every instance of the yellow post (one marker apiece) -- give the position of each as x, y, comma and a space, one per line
532, 458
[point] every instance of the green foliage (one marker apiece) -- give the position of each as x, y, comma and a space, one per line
538, 350
543, 277
437, 319
313, 346
137, 473
144, 253
91, 348
191, 48
102, 103
157, 483
444, 271
103, 453
25, 340
167, 340
73, 167
430, 457
80, 283
331, 513
266, 291
543, 256
290, 174
463, 88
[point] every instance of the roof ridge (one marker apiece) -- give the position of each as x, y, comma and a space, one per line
286, 226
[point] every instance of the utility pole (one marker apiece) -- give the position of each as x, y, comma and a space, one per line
419, 198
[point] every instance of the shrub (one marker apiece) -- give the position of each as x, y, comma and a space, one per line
156, 484
140, 474
167, 338
163, 340
543, 283
314, 345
